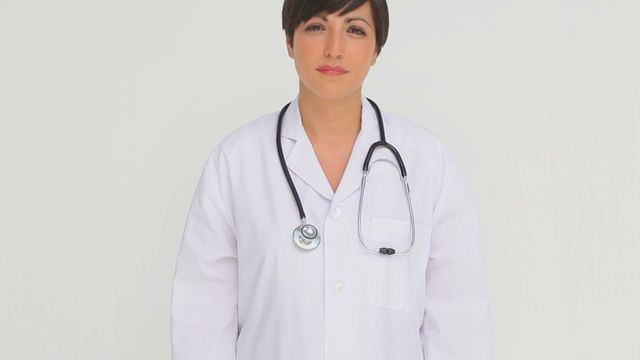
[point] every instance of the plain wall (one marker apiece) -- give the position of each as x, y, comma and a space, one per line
108, 110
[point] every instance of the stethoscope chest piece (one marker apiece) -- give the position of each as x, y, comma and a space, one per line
306, 237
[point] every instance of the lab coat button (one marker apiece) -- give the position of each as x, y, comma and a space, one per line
337, 212
338, 287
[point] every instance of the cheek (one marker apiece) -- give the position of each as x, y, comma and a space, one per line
304, 54
366, 55
365, 50
305, 49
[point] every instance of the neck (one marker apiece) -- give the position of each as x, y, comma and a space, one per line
330, 121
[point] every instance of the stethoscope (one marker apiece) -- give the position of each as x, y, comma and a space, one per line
306, 236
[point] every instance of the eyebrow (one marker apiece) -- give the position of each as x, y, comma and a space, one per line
348, 19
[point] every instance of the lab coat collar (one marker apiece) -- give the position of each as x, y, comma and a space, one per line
303, 161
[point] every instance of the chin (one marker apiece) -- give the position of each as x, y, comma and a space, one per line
329, 87
331, 91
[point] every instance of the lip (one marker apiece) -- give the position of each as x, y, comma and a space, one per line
332, 70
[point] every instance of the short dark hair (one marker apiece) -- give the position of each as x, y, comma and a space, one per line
295, 12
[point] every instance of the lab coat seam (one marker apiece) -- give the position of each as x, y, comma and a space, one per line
213, 164
441, 176
225, 210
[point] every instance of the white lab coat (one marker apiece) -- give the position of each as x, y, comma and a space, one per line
244, 291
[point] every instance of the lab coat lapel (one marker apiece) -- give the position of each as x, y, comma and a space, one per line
352, 177
303, 161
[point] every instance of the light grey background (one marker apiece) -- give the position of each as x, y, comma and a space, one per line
108, 110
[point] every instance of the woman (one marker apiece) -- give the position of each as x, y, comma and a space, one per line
252, 283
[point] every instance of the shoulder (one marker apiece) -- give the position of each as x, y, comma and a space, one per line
248, 137
412, 134
413, 137
430, 151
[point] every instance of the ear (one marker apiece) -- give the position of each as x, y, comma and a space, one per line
375, 58
289, 47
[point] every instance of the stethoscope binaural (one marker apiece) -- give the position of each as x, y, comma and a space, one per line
306, 236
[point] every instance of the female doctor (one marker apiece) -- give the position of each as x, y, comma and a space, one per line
331, 229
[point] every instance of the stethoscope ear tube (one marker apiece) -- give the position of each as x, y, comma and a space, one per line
284, 164
305, 235
383, 250
383, 142
391, 148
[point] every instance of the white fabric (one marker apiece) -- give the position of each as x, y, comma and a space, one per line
244, 291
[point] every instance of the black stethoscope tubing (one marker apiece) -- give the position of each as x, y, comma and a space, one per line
382, 143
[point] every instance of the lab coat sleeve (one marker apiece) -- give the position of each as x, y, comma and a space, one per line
457, 317
204, 320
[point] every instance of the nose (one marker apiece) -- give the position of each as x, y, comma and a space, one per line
334, 44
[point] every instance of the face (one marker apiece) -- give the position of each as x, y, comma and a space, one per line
347, 41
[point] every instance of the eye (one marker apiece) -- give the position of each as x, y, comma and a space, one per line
359, 31
311, 27
315, 27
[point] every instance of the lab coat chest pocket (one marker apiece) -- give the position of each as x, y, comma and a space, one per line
393, 280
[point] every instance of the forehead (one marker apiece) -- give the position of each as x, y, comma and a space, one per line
363, 11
